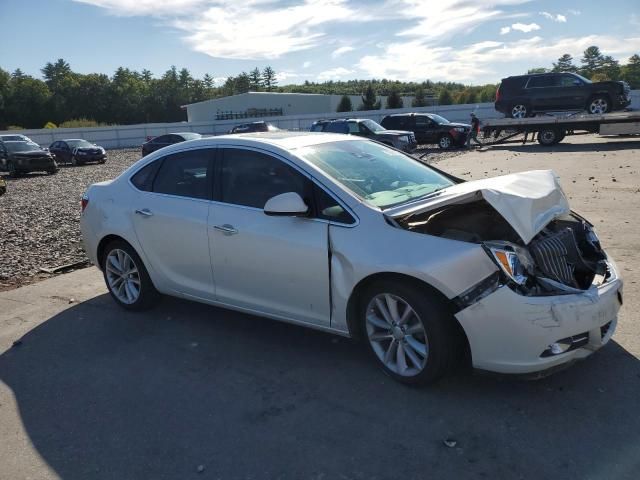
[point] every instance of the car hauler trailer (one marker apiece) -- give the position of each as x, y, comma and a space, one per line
551, 130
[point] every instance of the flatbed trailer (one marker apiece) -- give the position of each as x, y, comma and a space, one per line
549, 129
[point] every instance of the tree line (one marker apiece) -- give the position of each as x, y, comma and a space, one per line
67, 98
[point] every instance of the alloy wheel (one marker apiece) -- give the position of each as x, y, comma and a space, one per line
123, 276
599, 106
519, 111
445, 142
397, 335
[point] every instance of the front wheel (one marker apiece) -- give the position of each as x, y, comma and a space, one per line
408, 331
127, 278
599, 105
445, 141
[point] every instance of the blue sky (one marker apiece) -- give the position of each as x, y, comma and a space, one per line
470, 41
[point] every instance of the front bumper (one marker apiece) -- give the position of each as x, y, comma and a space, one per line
508, 332
34, 164
623, 101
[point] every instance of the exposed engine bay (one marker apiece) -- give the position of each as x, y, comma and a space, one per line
564, 257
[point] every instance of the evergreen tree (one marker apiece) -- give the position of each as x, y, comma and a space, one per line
564, 64
537, 70
631, 71
208, 81
369, 99
242, 83
269, 78
394, 100
345, 104
591, 61
610, 67
419, 100
255, 80
445, 97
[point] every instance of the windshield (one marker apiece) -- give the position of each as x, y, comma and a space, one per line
379, 175
79, 144
373, 126
439, 119
21, 146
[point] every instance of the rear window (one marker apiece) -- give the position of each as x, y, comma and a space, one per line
541, 82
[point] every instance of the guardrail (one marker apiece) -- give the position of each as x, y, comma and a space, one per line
134, 135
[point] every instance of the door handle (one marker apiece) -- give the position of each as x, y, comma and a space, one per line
226, 229
145, 212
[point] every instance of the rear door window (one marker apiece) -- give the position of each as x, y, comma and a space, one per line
185, 174
143, 179
541, 82
423, 122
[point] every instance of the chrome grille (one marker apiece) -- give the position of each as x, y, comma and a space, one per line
555, 255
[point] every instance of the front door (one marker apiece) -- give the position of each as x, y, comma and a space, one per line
268, 264
170, 222
425, 130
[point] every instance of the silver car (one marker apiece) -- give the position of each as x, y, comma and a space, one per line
349, 236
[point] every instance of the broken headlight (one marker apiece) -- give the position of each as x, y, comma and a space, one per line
513, 260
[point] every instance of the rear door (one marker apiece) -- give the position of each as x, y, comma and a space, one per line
170, 217
275, 265
425, 129
572, 93
542, 92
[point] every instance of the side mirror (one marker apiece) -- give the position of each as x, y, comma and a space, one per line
288, 204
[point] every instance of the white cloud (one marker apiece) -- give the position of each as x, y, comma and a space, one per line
417, 60
341, 51
334, 74
526, 28
556, 18
286, 75
147, 7
574, 12
306, 64
505, 30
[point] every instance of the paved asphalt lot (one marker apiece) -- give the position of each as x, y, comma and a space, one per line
93, 392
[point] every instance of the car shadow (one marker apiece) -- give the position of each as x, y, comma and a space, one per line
188, 389
566, 146
24, 176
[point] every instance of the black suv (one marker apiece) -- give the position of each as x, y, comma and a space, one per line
524, 95
402, 140
429, 128
153, 144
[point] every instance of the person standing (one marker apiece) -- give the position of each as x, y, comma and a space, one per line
475, 129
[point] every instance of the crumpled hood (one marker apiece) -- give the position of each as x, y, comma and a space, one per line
456, 124
394, 133
528, 201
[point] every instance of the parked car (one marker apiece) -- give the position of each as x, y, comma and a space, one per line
19, 157
15, 137
254, 127
429, 128
400, 139
166, 140
3, 186
349, 236
525, 95
77, 152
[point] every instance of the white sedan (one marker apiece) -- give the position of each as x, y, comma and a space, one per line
356, 238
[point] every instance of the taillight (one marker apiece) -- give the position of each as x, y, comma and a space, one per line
84, 202
498, 94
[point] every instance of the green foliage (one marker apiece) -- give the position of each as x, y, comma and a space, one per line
269, 79
537, 70
369, 101
255, 80
445, 97
419, 99
14, 127
81, 123
564, 64
345, 104
50, 125
592, 61
394, 100
631, 71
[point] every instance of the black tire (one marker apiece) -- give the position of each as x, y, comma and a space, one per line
148, 296
519, 110
52, 171
442, 338
599, 104
445, 141
549, 136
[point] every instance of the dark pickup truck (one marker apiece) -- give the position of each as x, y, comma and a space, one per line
524, 95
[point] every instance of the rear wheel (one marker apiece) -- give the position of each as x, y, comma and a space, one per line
549, 136
127, 278
408, 331
599, 105
519, 110
445, 141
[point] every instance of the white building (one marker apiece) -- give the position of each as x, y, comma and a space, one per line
266, 104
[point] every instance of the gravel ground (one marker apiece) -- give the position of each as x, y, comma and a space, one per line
39, 216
